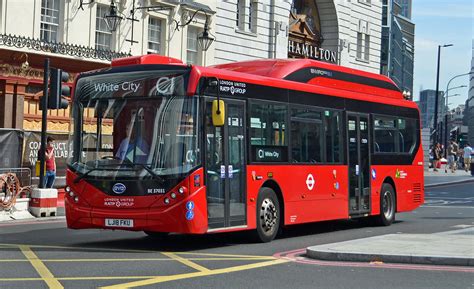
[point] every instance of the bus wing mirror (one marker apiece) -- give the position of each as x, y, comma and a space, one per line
218, 112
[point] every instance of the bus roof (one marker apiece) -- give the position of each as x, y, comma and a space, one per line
316, 74
319, 73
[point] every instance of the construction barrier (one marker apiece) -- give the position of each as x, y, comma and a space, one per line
44, 202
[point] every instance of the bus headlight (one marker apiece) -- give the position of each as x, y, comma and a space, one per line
173, 195
167, 201
67, 189
71, 194
76, 199
182, 190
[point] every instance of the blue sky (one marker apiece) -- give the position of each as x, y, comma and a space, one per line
439, 22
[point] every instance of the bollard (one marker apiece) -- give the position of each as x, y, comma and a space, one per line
472, 165
44, 202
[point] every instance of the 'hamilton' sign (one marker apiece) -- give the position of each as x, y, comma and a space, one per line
304, 38
306, 50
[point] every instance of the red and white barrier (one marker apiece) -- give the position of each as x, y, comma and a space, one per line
44, 202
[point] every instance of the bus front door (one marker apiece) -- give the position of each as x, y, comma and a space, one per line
359, 163
225, 167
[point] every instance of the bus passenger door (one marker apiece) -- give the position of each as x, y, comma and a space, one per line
225, 167
359, 163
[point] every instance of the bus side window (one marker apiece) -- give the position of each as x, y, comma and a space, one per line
394, 135
306, 135
268, 126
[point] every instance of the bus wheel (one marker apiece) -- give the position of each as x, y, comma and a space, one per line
387, 206
268, 215
156, 235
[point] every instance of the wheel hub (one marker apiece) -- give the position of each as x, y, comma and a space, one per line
268, 215
387, 205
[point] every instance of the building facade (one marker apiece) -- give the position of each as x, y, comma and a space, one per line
340, 31
426, 104
83, 35
469, 112
398, 43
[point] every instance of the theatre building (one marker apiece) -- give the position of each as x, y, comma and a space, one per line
82, 35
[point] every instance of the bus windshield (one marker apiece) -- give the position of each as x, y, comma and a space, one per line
134, 125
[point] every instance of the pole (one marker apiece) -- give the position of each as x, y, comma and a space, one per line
435, 117
446, 130
447, 101
44, 118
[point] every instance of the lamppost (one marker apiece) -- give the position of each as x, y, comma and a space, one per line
447, 104
435, 117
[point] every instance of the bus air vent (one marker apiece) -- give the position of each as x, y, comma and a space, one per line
416, 187
417, 198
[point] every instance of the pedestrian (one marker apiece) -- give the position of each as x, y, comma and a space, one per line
431, 156
50, 163
467, 157
452, 152
436, 156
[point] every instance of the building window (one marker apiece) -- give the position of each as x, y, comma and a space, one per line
154, 35
363, 46
49, 20
103, 37
385, 14
253, 10
246, 15
192, 55
240, 14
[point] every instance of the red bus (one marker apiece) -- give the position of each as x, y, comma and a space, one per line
159, 146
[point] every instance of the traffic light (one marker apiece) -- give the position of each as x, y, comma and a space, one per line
453, 135
57, 90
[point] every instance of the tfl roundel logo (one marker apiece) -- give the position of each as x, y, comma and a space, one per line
119, 188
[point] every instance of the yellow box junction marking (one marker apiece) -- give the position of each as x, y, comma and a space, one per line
53, 282
195, 274
186, 262
39, 266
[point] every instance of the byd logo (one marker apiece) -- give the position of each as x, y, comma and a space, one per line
119, 188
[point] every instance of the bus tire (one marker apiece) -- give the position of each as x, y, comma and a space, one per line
156, 235
268, 215
387, 206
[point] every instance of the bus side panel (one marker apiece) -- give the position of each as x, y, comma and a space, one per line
408, 187
310, 192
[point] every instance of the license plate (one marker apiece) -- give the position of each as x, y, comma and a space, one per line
128, 223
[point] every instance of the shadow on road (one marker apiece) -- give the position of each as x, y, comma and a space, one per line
184, 243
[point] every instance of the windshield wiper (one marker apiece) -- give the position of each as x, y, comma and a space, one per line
107, 167
76, 180
147, 168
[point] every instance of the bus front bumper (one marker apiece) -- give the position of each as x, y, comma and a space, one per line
173, 219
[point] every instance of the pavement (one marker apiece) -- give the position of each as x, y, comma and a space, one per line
457, 249
441, 178
452, 248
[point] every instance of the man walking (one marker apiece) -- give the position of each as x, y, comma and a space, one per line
452, 154
467, 157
